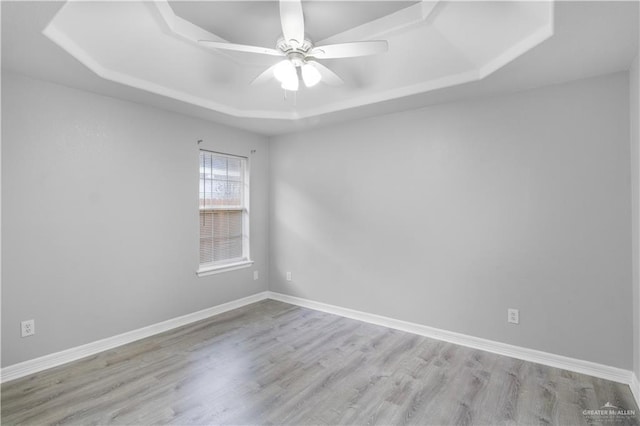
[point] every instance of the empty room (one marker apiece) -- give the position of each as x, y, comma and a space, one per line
320, 212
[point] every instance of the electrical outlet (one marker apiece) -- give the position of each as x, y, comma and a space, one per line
288, 276
255, 275
27, 328
513, 316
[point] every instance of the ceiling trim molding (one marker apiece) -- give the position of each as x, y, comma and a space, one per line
520, 48
187, 31
167, 20
85, 58
386, 25
389, 95
59, 38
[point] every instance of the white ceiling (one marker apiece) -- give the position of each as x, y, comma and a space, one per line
258, 23
439, 51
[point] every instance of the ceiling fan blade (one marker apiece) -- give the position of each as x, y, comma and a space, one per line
328, 76
265, 76
292, 21
350, 50
240, 47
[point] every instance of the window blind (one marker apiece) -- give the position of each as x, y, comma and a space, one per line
222, 208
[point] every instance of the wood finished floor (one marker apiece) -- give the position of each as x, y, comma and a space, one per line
274, 363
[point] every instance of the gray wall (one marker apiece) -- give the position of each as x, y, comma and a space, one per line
443, 216
634, 113
448, 215
100, 219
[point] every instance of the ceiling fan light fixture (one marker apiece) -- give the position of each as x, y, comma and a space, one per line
310, 75
291, 85
301, 55
285, 71
287, 74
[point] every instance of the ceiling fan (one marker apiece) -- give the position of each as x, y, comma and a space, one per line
301, 55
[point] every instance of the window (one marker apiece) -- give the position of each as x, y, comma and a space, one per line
224, 213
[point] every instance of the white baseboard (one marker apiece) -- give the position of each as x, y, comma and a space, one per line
571, 364
558, 361
53, 360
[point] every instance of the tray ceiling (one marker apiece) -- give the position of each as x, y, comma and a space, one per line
153, 46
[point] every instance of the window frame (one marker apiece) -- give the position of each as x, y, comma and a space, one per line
245, 261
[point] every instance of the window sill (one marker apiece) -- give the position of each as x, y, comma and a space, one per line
210, 270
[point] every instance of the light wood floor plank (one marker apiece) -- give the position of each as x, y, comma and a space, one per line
274, 363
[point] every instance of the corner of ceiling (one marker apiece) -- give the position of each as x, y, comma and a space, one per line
386, 25
62, 40
185, 30
521, 47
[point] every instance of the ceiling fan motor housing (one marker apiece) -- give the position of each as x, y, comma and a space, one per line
301, 55
296, 53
